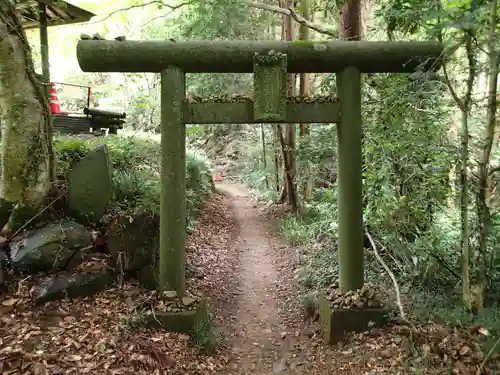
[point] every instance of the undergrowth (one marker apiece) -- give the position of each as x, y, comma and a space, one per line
205, 336
416, 233
136, 171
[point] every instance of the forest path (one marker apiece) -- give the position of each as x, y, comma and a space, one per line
269, 335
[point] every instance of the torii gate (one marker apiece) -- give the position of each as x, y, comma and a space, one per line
269, 61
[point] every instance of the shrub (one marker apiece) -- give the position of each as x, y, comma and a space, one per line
136, 170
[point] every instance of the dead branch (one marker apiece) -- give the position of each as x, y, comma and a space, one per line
152, 2
391, 275
292, 13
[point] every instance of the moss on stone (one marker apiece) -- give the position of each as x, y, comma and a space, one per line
6, 208
270, 87
21, 214
303, 43
335, 324
181, 321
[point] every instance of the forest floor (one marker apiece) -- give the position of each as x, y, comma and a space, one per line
247, 270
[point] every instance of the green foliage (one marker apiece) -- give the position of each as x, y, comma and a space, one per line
251, 167
136, 170
205, 336
318, 225
320, 271
309, 303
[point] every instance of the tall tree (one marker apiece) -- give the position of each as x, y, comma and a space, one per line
288, 139
24, 117
305, 91
484, 164
350, 20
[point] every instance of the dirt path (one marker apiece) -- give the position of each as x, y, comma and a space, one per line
237, 259
268, 333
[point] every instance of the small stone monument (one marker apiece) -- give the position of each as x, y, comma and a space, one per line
90, 187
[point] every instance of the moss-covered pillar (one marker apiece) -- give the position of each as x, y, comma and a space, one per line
173, 181
350, 199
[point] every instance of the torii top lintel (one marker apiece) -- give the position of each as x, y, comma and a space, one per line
236, 56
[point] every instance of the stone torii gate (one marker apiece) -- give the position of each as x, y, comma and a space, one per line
270, 61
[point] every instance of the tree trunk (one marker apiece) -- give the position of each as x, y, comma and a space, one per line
276, 156
464, 209
350, 20
484, 188
25, 120
264, 156
305, 91
288, 145
276, 129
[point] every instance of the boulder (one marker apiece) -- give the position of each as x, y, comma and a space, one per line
50, 247
90, 187
80, 285
133, 242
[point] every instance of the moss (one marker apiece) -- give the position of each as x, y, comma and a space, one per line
20, 215
303, 43
6, 208
270, 87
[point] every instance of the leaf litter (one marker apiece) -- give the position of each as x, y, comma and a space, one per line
93, 335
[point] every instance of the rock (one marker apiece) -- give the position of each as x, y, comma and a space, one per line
386, 353
147, 277
4, 260
170, 295
279, 367
133, 242
90, 186
188, 301
51, 247
81, 285
6, 209
309, 331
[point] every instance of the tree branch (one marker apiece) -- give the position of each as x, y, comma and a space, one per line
494, 170
152, 2
289, 12
391, 275
488, 356
292, 13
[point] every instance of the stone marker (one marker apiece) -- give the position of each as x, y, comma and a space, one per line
90, 186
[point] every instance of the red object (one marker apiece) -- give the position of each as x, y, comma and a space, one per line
55, 107
217, 177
